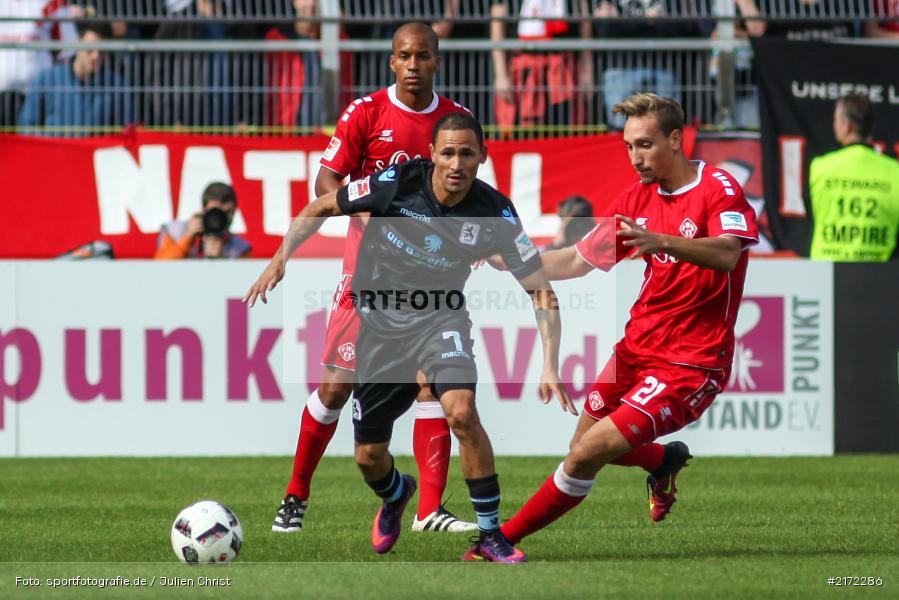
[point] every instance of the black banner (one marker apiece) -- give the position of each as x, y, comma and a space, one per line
866, 357
799, 83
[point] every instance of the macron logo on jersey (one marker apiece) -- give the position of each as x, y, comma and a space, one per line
508, 216
733, 221
388, 176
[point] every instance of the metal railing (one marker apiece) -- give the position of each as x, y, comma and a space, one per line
296, 86
475, 11
278, 88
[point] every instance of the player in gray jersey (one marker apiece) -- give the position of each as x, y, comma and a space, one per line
429, 222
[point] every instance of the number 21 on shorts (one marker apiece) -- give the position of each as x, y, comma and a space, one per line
653, 388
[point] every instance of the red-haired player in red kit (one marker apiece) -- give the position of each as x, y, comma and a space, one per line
392, 125
691, 224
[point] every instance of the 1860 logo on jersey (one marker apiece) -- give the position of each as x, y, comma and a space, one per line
469, 234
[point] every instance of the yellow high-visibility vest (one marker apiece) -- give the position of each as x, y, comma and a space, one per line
855, 205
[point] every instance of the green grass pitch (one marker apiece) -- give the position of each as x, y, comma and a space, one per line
743, 528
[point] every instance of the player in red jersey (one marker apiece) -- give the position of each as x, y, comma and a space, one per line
691, 224
391, 126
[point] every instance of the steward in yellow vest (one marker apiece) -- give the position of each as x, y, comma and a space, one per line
854, 191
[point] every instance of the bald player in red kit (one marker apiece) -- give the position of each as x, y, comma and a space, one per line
691, 225
388, 127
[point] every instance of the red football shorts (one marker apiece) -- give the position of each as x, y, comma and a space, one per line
343, 328
647, 399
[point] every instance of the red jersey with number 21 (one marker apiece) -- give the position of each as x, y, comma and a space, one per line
375, 132
685, 314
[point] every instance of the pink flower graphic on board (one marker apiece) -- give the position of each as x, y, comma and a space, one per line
759, 352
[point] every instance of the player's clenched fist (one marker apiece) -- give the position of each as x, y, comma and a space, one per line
273, 273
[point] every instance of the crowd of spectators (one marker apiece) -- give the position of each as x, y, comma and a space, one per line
72, 93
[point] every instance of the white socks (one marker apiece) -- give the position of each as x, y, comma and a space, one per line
429, 410
319, 411
571, 486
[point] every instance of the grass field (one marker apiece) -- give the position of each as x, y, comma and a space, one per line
772, 528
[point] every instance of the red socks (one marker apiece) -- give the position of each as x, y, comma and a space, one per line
558, 494
316, 430
431, 446
649, 456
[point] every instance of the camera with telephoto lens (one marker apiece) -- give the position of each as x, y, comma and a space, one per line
215, 222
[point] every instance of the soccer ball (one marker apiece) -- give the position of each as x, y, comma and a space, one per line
206, 532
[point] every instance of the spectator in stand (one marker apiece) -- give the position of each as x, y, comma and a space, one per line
79, 96
535, 89
576, 221
619, 83
18, 68
883, 29
202, 89
465, 71
295, 78
451, 26
746, 105
746, 102
817, 21
380, 19
207, 234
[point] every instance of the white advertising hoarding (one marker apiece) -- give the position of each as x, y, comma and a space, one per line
780, 399
162, 359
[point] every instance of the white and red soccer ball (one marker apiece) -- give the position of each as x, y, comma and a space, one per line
206, 532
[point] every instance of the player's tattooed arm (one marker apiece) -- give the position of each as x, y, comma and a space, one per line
549, 324
719, 253
307, 223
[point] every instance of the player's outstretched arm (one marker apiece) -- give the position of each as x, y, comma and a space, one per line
566, 263
304, 225
549, 323
719, 253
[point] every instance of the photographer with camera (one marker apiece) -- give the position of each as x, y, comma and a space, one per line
206, 234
